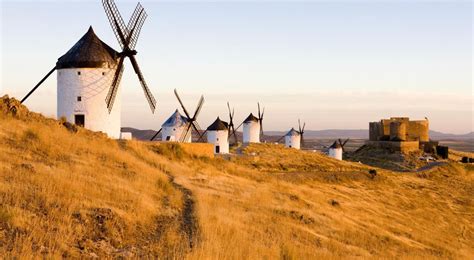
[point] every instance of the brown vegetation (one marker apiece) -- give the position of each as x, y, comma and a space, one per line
77, 193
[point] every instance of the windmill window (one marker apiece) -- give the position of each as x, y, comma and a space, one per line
103, 73
79, 73
79, 98
218, 139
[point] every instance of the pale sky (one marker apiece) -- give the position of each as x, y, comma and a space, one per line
334, 64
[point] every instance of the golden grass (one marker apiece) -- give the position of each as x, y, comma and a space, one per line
81, 195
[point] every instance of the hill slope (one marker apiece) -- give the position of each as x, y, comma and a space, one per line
68, 193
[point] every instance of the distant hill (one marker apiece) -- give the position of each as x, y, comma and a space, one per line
317, 134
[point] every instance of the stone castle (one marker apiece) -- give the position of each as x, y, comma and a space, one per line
399, 133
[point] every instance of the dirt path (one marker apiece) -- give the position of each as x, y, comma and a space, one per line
189, 221
430, 166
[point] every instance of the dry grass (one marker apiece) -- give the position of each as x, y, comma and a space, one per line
81, 194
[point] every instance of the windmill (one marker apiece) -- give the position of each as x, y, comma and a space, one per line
191, 123
90, 72
232, 131
127, 36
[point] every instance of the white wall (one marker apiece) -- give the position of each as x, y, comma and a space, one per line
335, 153
219, 138
175, 134
251, 132
293, 141
92, 87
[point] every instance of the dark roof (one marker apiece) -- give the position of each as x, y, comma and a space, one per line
292, 132
335, 145
218, 125
89, 52
175, 120
251, 118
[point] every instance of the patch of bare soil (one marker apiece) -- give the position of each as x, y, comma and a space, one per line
188, 219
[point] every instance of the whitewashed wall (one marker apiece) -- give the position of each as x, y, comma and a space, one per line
219, 138
175, 134
92, 86
251, 132
293, 141
335, 153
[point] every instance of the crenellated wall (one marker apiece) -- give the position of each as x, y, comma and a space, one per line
399, 129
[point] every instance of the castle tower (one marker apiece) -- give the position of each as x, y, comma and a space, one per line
85, 74
293, 139
251, 130
218, 134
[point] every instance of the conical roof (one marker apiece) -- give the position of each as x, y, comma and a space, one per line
89, 52
218, 125
251, 118
335, 145
292, 132
175, 120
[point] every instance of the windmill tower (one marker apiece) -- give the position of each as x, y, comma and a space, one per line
251, 130
217, 134
84, 74
89, 74
253, 127
174, 128
335, 151
293, 139
179, 128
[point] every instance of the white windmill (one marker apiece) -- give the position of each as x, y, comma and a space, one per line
180, 128
89, 75
253, 127
293, 139
218, 134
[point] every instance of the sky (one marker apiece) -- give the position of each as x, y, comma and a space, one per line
334, 64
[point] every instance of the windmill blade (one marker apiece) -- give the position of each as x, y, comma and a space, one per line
239, 126
345, 142
151, 100
185, 133
136, 23
299, 125
342, 146
258, 104
37, 85
281, 138
198, 108
110, 99
236, 141
230, 114
304, 125
181, 103
116, 21
154, 136
201, 136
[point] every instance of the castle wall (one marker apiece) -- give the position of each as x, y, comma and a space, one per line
404, 147
398, 131
418, 131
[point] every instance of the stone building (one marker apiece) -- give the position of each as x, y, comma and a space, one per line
399, 133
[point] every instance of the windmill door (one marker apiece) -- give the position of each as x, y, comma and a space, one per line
79, 120
218, 149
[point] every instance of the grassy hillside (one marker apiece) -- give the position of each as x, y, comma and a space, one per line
65, 191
